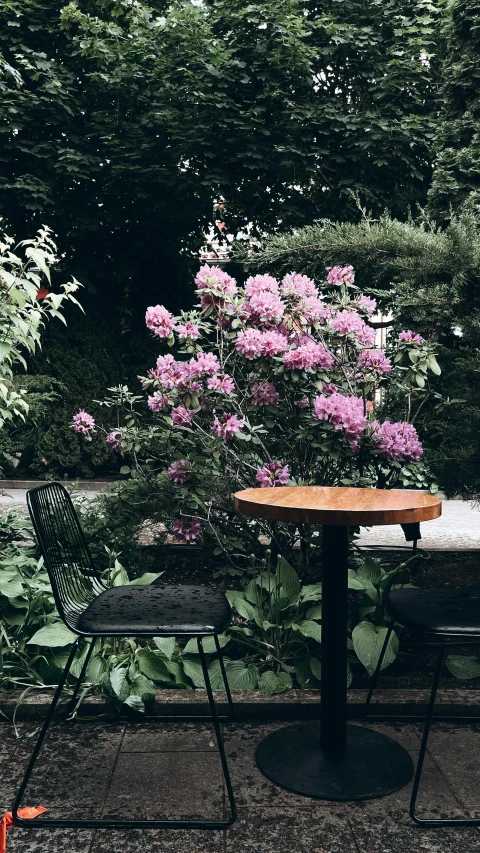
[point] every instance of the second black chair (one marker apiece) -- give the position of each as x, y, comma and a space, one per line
90, 609
444, 613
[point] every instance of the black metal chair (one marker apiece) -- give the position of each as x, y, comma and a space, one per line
445, 613
91, 609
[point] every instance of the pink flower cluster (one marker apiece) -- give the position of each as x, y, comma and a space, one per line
409, 337
179, 472
264, 394
374, 360
253, 343
397, 442
257, 284
296, 286
349, 322
182, 416
309, 356
366, 304
217, 280
186, 529
160, 321
188, 330
114, 439
226, 430
83, 423
344, 413
221, 382
341, 275
266, 306
157, 402
272, 474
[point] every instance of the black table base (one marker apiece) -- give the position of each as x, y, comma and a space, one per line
372, 764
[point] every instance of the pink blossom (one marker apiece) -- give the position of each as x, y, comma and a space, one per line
257, 284
397, 441
221, 382
374, 360
182, 416
273, 343
341, 275
410, 337
205, 362
114, 439
366, 304
329, 388
264, 394
179, 472
157, 402
186, 529
344, 413
267, 305
314, 309
303, 402
249, 343
175, 375
229, 427
296, 286
272, 474
188, 330
160, 321
214, 278
164, 362
83, 423
349, 322
309, 356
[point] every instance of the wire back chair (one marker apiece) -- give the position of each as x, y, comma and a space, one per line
91, 609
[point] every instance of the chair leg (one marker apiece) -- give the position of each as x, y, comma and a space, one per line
42, 823
71, 704
216, 725
374, 679
231, 710
433, 823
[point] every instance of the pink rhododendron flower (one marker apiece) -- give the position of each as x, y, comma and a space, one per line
344, 413
410, 337
179, 472
267, 305
160, 321
272, 474
329, 388
314, 309
249, 343
374, 360
303, 402
114, 439
83, 423
164, 362
182, 416
213, 278
273, 343
264, 394
257, 284
157, 402
221, 382
398, 441
205, 362
186, 529
341, 275
349, 322
231, 424
366, 304
188, 330
310, 356
296, 286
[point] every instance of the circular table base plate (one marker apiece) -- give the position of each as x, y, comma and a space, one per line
373, 765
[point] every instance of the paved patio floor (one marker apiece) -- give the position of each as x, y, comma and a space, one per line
155, 769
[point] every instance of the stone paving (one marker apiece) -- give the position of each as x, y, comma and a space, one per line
172, 770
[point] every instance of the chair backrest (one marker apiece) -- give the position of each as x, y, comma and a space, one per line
75, 581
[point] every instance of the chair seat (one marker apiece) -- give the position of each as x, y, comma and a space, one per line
153, 610
436, 611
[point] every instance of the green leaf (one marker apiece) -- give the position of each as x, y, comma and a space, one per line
311, 592
244, 609
371, 570
434, 365
368, 641
193, 669
166, 645
309, 629
54, 635
271, 683
11, 589
353, 581
118, 675
241, 676
151, 665
463, 666
134, 701
314, 612
288, 578
209, 646
144, 688
304, 675
96, 669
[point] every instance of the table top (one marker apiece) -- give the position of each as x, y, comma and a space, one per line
338, 505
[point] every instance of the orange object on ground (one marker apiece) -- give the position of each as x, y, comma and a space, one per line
7, 820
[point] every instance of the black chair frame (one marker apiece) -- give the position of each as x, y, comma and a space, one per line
114, 823
427, 823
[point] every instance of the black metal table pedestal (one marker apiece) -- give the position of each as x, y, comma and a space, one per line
333, 760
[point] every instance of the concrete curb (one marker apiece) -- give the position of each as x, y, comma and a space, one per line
84, 485
253, 705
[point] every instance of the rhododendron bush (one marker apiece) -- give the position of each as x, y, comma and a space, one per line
273, 383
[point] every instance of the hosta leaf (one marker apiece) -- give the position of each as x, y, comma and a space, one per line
151, 665
56, 634
209, 646
314, 612
193, 668
135, 702
288, 578
241, 676
368, 641
118, 675
463, 666
309, 628
272, 683
166, 645
311, 592
11, 589
144, 688
370, 570
96, 669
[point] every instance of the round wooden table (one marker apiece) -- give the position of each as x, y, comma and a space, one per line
335, 761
